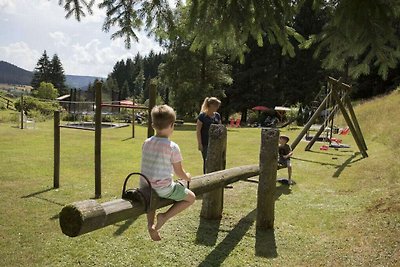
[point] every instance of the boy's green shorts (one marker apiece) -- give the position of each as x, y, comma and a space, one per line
179, 192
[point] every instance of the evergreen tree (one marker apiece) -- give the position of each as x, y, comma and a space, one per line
359, 34
57, 76
42, 71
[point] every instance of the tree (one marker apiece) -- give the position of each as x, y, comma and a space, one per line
57, 76
189, 75
359, 34
42, 71
46, 91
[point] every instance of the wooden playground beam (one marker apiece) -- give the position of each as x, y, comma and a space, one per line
355, 133
310, 122
85, 216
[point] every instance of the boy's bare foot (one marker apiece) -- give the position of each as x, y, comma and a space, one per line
154, 234
160, 221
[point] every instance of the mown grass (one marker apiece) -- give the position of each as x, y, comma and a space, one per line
344, 210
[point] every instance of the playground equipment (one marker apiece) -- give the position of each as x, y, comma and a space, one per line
338, 94
98, 129
85, 216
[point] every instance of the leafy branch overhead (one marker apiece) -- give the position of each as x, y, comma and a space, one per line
358, 35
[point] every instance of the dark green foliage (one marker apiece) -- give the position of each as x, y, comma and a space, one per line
50, 72
361, 34
33, 104
75, 7
358, 34
41, 73
57, 77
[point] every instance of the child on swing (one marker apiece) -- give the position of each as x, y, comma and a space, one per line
285, 152
160, 157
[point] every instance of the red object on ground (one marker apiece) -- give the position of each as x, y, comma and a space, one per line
324, 147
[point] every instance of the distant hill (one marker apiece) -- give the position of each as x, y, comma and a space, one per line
12, 74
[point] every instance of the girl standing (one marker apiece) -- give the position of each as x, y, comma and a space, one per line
208, 116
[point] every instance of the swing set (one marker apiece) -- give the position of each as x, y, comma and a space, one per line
337, 98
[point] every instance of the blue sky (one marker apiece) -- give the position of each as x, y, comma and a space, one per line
28, 27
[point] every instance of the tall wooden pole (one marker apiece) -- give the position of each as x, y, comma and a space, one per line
330, 117
22, 111
350, 124
133, 119
152, 103
355, 121
213, 202
267, 181
56, 174
97, 142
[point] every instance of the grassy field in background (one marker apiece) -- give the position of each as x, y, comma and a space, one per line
344, 210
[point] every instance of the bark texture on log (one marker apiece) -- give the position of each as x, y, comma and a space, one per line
267, 181
85, 216
213, 202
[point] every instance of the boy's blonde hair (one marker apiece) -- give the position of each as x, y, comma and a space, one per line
208, 101
162, 116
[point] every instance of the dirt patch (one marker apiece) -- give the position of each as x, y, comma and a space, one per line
385, 204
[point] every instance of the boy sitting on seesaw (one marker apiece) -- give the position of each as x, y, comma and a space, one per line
285, 152
161, 156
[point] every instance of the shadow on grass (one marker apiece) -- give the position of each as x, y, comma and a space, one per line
122, 228
346, 164
317, 162
266, 244
127, 139
207, 233
328, 153
37, 195
222, 251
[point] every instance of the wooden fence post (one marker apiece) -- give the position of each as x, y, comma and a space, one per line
97, 142
22, 111
267, 181
213, 201
56, 174
152, 103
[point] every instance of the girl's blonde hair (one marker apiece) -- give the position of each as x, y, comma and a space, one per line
208, 101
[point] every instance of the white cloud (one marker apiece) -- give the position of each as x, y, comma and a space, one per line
7, 6
82, 47
20, 54
60, 39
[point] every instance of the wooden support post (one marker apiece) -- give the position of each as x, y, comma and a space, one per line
152, 103
355, 121
56, 173
97, 142
213, 202
330, 117
350, 124
22, 111
310, 122
267, 181
85, 216
133, 120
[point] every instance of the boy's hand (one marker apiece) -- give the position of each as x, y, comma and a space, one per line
189, 177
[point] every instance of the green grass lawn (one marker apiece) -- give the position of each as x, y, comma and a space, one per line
344, 210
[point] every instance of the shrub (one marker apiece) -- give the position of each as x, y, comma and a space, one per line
32, 106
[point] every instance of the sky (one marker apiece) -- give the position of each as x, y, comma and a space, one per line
28, 27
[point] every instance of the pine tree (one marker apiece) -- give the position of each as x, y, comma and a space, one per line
57, 77
42, 71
